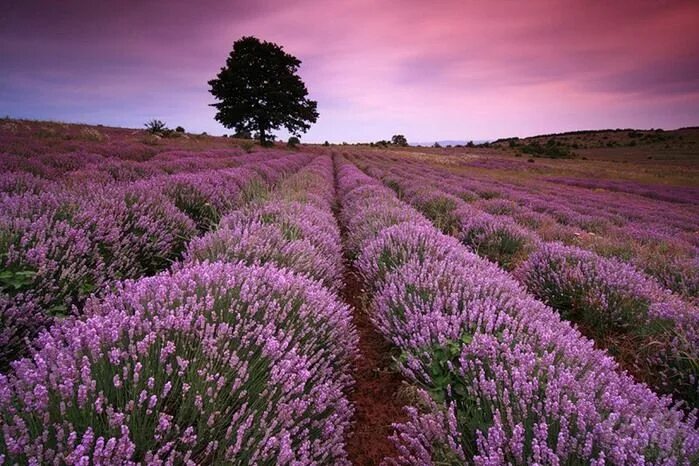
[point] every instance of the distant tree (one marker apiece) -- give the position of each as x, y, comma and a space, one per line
259, 90
436, 145
155, 127
399, 140
293, 141
470, 144
326, 143
179, 129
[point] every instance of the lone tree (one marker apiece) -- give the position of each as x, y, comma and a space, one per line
259, 91
399, 140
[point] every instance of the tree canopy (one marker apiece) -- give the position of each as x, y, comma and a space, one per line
259, 91
399, 140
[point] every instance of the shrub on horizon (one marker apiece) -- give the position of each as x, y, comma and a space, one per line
155, 126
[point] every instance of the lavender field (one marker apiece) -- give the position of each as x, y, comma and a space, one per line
204, 300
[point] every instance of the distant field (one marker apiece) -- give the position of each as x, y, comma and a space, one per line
189, 298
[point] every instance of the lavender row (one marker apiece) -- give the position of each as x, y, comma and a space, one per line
660, 238
617, 305
645, 205
621, 308
81, 166
59, 246
295, 229
219, 361
677, 194
669, 254
594, 211
504, 379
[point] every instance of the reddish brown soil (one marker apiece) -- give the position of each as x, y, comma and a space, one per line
377, 386
376, 392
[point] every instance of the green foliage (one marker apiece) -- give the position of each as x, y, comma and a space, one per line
259, 90
196, 206
395, 186
179, 129
502, 245
14, 281
440, 209
399, 140
293, 141
441, 368
552, 149
255, 190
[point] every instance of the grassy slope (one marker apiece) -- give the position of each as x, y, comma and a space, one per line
667, 157
27, 138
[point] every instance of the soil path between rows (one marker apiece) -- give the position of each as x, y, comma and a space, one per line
376, 391
376, 394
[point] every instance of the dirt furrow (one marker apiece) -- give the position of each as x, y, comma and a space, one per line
377, 391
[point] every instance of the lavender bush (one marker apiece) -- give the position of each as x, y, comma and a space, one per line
75, 237
656, 236
247, 239
506, 380
215, 363
497, 238
303, 237
610, 297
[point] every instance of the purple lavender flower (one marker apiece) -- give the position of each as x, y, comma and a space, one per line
215, 363
610, 297
508, 380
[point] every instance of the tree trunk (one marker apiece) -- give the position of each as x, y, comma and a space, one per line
263, 137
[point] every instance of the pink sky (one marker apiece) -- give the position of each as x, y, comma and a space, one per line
428, 69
